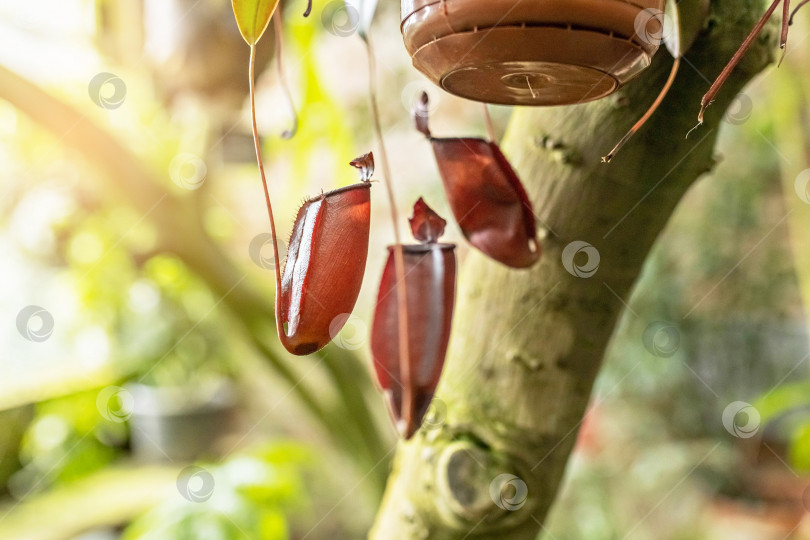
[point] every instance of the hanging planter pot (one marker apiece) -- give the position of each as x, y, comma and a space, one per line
551, 52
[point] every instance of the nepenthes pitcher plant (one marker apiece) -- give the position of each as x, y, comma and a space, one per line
555, 52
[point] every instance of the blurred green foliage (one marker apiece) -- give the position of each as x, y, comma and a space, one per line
67, 440
248, 495
716, 317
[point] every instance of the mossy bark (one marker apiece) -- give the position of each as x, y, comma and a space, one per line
527, 345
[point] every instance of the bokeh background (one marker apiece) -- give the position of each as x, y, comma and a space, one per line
143, 393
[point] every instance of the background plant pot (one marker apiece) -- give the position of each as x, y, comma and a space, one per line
180, 423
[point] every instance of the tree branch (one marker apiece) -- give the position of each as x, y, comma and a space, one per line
527, 345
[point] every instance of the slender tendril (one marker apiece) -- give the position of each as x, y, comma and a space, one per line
278, 27
257, 144
721, 79
641, 121
785, 25
793, 14
488, 120
399, 258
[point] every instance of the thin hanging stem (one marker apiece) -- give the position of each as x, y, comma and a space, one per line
721, 79
257, 144
278, 27
399, 258
785, 25
488, 120
673, 72
793, 14
375, 113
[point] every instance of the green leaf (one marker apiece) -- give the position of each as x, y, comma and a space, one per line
785, 398
252, 17
687, 18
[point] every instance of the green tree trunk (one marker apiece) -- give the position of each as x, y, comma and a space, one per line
527, 345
